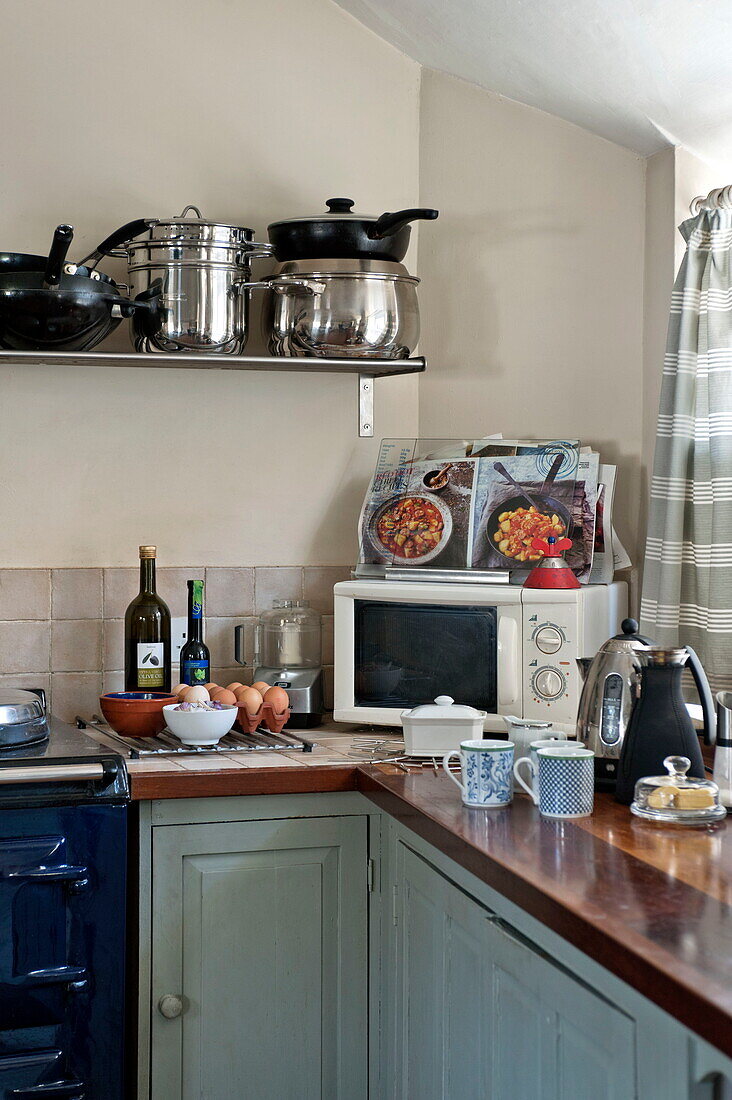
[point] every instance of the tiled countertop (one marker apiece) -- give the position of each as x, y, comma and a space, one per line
331, 766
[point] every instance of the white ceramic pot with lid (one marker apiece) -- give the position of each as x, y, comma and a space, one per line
433, 729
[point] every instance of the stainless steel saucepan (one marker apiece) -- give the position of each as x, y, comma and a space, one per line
341, 308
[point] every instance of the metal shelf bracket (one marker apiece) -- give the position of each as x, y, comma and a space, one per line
365, 405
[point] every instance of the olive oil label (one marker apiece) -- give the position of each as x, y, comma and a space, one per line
150, 664
194, 672
197, 604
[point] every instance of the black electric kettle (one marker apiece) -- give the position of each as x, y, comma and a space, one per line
660, 724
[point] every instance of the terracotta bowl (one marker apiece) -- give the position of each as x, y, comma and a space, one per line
136, 713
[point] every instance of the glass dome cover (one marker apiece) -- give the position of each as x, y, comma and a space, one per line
675, 798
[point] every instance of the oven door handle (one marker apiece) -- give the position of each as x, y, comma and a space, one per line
509, 662
53, 773
77, 878
59, 1090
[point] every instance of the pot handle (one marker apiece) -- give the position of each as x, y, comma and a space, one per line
313, 286
705, 697
125, 233
126, 307
392, 223
62, 238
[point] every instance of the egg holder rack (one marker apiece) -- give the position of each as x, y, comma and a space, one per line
166, 744
266, 715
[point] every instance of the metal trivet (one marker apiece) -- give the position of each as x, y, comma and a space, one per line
390, 750
165, 744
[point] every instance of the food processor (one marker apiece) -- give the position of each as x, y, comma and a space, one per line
287, 654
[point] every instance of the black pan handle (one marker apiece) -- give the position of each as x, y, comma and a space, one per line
553, 471
126, 307
392, 223
120, 236
62, 238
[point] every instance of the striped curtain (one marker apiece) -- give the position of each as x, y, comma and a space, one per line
687, 580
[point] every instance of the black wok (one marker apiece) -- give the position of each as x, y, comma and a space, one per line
61, 320
47, 304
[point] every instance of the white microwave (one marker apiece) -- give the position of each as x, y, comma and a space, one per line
500, 648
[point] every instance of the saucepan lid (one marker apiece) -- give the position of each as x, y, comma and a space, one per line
677, 798
18, 707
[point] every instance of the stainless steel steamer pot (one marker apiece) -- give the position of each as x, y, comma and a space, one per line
199, 272
341, 308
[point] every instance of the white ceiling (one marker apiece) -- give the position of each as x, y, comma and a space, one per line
643, 73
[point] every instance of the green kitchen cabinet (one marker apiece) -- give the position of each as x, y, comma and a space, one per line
477, 1011
259, 964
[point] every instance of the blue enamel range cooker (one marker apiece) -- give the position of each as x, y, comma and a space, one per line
63, 806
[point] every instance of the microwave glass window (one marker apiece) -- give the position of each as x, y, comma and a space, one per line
407, 654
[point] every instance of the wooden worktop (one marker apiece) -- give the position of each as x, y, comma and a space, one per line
652, 904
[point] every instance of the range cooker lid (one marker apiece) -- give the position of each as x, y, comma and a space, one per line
19, 707
23, 718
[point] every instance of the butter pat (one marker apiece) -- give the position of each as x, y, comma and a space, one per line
694, 798
663, 797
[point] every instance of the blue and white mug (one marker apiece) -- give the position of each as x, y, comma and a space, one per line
562, 780
486, 770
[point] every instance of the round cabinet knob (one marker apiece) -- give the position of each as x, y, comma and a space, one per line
170, 1006
548, 639
549, 683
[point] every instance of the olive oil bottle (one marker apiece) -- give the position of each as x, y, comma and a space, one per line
195, 659
147, 633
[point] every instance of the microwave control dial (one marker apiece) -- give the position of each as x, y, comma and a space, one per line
548, 683
548, 639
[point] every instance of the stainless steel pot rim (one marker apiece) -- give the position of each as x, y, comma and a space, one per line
325, 276
340, 266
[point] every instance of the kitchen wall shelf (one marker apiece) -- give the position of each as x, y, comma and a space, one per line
366, 370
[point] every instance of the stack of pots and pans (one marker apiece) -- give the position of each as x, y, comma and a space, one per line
49, 304
197, 273
340, 289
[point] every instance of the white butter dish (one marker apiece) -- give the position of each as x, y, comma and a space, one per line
433, 729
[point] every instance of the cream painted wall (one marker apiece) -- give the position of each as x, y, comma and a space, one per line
532, 294
253, 109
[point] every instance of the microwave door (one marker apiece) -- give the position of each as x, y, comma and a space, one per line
406, 654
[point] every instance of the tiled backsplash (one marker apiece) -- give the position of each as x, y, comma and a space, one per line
63, 629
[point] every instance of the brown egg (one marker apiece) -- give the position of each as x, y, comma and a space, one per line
197, 694
182, 692
224, 696
261, 687
178, 688
250, 699
234, 687
278, 698
211, 686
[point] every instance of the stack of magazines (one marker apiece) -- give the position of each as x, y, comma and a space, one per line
477, 505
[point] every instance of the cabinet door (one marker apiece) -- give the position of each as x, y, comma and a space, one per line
441, 1034
478, 1013
553, 1037
261, 928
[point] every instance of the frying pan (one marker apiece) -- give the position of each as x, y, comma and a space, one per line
538, 497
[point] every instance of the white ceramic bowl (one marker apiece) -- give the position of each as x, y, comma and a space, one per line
199, 727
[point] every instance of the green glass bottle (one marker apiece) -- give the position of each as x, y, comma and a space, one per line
147, 633
195, 659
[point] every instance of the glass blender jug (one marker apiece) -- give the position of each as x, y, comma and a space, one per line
288, 654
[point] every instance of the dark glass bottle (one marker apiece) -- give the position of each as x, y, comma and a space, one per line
195, 659
147, 633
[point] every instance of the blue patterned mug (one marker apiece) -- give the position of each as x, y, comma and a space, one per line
487, 772
562, 780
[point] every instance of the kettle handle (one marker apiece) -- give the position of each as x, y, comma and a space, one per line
705, 697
